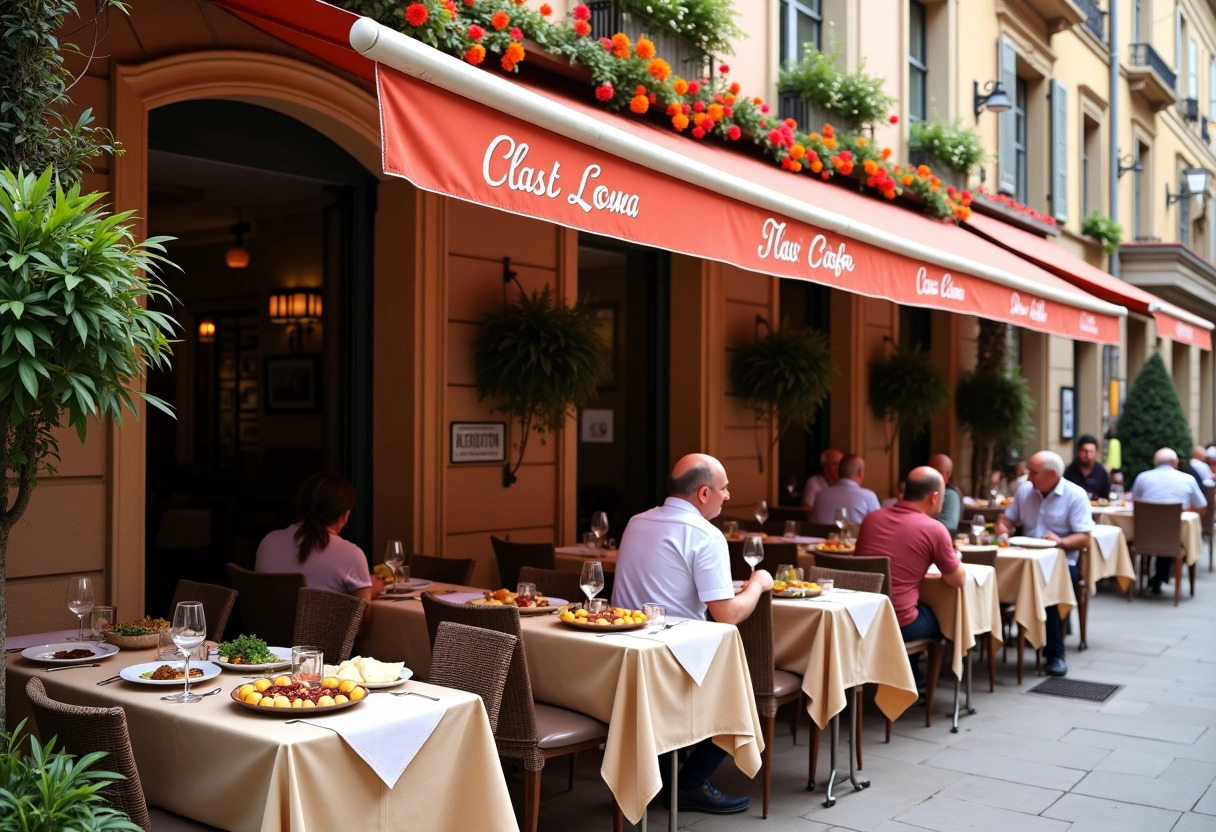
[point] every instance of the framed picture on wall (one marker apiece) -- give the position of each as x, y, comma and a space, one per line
605, 327
1068, 412
292, 383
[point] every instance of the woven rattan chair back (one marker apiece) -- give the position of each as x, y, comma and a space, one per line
756, 632
83, 730
846, 579
330, 620
1158, 529
878, 564
516, 735
267, 601
473, 659
774, 553
986, 558
444, 570
217, 601
512, 556
783, 513
552, 583
819, 529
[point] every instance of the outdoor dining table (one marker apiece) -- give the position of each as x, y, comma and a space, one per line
636, 685
1125, 518
1033, 580
572, 558
216, 762
1106, 557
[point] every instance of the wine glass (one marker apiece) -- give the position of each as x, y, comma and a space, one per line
753, 552
599, 526
591, 579
842, 520
189, 630
80, 601
1116, 494
761, 512
394, 557
977, 526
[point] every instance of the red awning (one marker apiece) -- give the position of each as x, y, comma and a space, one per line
1172, 322
318, 28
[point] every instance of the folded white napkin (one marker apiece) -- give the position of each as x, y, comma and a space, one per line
862, 607
583, 550
54, 637
978, 572
692, 643
386, 731
1107, 537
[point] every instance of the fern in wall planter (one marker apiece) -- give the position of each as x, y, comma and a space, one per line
907, 389
1106, 230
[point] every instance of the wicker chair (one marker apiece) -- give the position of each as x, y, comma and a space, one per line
850, 563
473, 659
512, 556
82, 730
218, 602
552, 582
527, 731
1209, 524
819, 529
445, 570
330, 620
267, 602
774, 553
1159, 534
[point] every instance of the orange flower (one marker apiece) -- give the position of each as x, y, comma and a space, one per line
885, 154
679, 121
863, 141
829, 130
813, 137
500, 20
545, 10
922, 171
734, 88
870, 167
714, 111
475, 54
620, 45
672, 109
698, 118
797, 151
582, 28
639, 104
658, 68
837, 162
681, 86
644, 48
795, 166
816, 166
514, 53
889, 193
728, 99
829, 143
907, 180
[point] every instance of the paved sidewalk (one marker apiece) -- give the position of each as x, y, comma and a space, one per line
1145, 760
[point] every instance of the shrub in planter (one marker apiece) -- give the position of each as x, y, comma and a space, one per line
852, 98
1106, 230
908, 389
784, 376
994, 407
1152, 419
950, 144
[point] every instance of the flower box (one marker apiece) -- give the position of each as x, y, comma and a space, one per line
985, 205
536, 56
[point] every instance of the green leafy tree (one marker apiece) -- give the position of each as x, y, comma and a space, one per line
994, 407
1152, 419
909, 389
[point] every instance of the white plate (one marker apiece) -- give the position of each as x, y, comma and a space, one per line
1023, 542
406, 675
984, 547
131, 674
466, 597
42, 652
284, 654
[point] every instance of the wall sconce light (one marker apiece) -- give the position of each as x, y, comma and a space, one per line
297, 309
237, 257
1129, 164
995, 101
1194, 183
206, 331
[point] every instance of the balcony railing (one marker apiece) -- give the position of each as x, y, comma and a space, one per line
685, 57
1095, 18
1188, 108
1143, 54
1204, 132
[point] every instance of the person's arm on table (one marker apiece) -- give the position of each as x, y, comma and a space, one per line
1069, 542
736, 609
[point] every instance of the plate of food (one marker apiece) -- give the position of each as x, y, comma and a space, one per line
137, 634
612, 620
1023, 542
796, 589
168, 673
540, 605
283, 697
372, 674
69, 652
250, 653
834, 547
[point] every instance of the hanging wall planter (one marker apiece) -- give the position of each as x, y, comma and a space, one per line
908, 390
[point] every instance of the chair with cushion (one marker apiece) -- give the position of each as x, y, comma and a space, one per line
217, 601
1159, 534
512, 556
267, 602
774, 553
82, 730
552, 582
329, 620
445, 570
473, 659
527, 730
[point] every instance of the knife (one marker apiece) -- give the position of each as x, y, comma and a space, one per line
110, 680
69, 667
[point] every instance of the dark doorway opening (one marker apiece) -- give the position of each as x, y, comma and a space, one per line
803, 304
915, 330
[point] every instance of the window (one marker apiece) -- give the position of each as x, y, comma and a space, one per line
918, 69
1179, 45
1091, 166
1192, 70
1212, 90
1021, 174
1137, 21
1140, 188
801, 22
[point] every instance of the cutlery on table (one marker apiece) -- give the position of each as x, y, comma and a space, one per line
68, 667
414, 693
110, 680
211, 692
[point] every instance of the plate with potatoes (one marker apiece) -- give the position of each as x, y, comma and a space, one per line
281, 696
372, 674
613, 619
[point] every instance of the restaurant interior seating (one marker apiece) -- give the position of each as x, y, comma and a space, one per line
329, 620
774, 553
819, 529
1159, 534
267, 602
445, 570
782, 513
475, 660
82, 730
528, 731
511, 556
217, 602
552, 582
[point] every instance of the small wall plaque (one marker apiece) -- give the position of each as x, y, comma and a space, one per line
478, 442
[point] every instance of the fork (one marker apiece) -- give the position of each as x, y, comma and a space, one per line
110, 680
69, 667
211, 692
414, 693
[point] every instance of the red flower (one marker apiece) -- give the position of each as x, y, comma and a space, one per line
516, 33
476, 32
581, 12
607, 44
694, 87
416, 14
733, 132
500, 20
545, 10
604, 92
469, 3
723, 68
519, 2
698, 133
582, 28
699, 106
685, 109
708, 124
894, 119
728, 112
639, 90
764, 108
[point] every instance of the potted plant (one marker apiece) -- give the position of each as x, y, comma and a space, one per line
908, 389
952, 148
541, 360
1152, 418
994, 407
49, 790
834, 95
1107, 231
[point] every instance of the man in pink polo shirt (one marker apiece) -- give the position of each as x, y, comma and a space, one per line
909, 535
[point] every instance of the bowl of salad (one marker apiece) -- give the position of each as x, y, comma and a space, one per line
252, 653
136, 635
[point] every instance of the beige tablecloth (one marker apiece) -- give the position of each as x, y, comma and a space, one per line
218, 763
965, 612
1020, 582
572, 558
635, 685
1118, 565
818, 640
1192, 529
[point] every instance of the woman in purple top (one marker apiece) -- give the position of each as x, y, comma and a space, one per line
312, 546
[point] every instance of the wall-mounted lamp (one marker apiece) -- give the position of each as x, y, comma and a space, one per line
1194, 183
297, 309
1129, 164
995, 100
237, 257
206, 331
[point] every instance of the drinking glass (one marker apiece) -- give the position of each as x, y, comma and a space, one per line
791, 529
394, 558
730, 528
761, 512
592, 578
753, 551
655, 613
526, 589
1116, 494
189, 631
307, 664
977, 527
599, 525
103, 619
785, 572
590, 540
80, 601
842, 520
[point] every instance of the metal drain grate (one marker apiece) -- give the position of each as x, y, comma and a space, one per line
1089, 691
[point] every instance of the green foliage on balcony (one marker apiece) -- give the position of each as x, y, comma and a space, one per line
853, 98
1106, 230
949, 143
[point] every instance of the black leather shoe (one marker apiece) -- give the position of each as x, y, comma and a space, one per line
1055, 667
708, 799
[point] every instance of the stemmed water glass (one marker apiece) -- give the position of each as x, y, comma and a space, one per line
599, 526
189, 630
977, 526
842, 520
761, 512
80, 601
592, 579
394, 558
753, 552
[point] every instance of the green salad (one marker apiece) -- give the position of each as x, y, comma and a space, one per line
246, 650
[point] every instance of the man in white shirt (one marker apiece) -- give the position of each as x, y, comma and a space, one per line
846, 494
672, 555
829, 473
1166, 484
1199, 464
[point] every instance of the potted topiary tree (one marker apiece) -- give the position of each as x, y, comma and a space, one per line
1152, 419
907, 389
994, 407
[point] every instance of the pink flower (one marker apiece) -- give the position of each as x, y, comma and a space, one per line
733, 132
581, 12
516, 33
